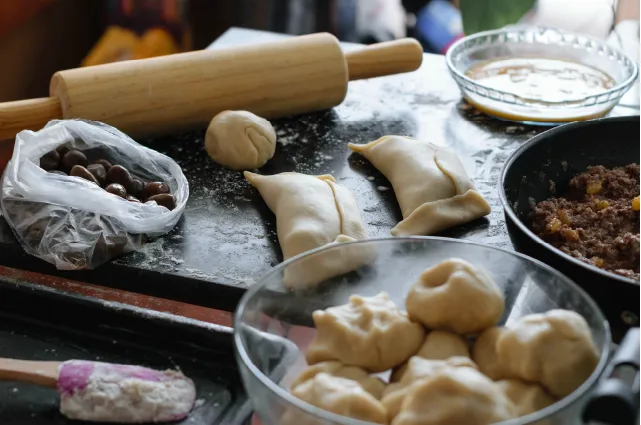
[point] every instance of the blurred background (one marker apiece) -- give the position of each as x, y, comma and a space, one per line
40, 37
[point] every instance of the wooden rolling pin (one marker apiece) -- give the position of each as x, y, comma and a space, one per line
178, 92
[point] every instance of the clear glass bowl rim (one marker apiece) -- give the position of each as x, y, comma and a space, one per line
241, 353
623, 86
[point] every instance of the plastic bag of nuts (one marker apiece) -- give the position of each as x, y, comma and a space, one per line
79, 193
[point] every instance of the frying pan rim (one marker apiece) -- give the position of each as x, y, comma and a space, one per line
511, 214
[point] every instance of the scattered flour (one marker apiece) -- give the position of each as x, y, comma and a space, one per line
286, 140
513, 129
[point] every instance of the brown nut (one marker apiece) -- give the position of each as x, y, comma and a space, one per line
137, 187
35, 231
61, 173
50, 161
98, 172
83, 173
133, 199
62, 150
106, 164
117, 189
73, 157
164, 199
119, 174
154, 188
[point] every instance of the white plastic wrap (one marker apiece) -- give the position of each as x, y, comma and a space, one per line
72, 223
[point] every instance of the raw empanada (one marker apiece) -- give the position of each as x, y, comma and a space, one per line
554, 348
341, 396
417, 368
431, 185
313, 211
457, 395
371, 384
456, 296
370, 332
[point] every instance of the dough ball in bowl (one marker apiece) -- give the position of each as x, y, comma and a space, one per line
528, 398
554, 348
371, 384
457, 296
417, 368
441, 345
240, 140
485, 356
370, 332
341, 396
438, 345
459, 395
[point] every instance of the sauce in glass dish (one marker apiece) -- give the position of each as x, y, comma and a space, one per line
550, 80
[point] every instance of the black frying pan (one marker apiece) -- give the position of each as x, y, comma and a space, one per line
556, 156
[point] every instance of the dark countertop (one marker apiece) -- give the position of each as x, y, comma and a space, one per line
227, 236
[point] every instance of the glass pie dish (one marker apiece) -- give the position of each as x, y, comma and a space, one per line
273, 324
518, 42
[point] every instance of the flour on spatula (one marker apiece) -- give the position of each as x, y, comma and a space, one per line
95, 391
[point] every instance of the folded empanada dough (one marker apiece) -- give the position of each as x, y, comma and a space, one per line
431, 185
313, 211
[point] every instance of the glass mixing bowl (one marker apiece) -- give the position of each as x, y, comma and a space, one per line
273, 324
539, 42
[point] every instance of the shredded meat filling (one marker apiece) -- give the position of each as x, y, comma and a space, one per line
598, 219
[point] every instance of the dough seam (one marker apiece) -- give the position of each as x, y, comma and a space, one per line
450, 178
341, 225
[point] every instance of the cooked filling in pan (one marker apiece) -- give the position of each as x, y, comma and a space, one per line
598, 219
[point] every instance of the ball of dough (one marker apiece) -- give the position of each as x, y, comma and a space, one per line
554, 349
456, 296
240, 140
485, 356
370, 332
528, 398
459, 395
341, 396
441, 345
371, 384
417, 368
438, 345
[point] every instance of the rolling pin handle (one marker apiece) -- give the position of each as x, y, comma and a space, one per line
391, 57
31, 114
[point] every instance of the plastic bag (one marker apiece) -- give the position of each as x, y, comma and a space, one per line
72, 223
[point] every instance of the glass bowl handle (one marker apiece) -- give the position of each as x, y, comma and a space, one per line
616, 398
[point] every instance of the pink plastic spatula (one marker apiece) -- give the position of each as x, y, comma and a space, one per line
106, 392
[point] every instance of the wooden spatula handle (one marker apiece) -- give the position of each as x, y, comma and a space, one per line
391, 57
39, 373
31, 114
